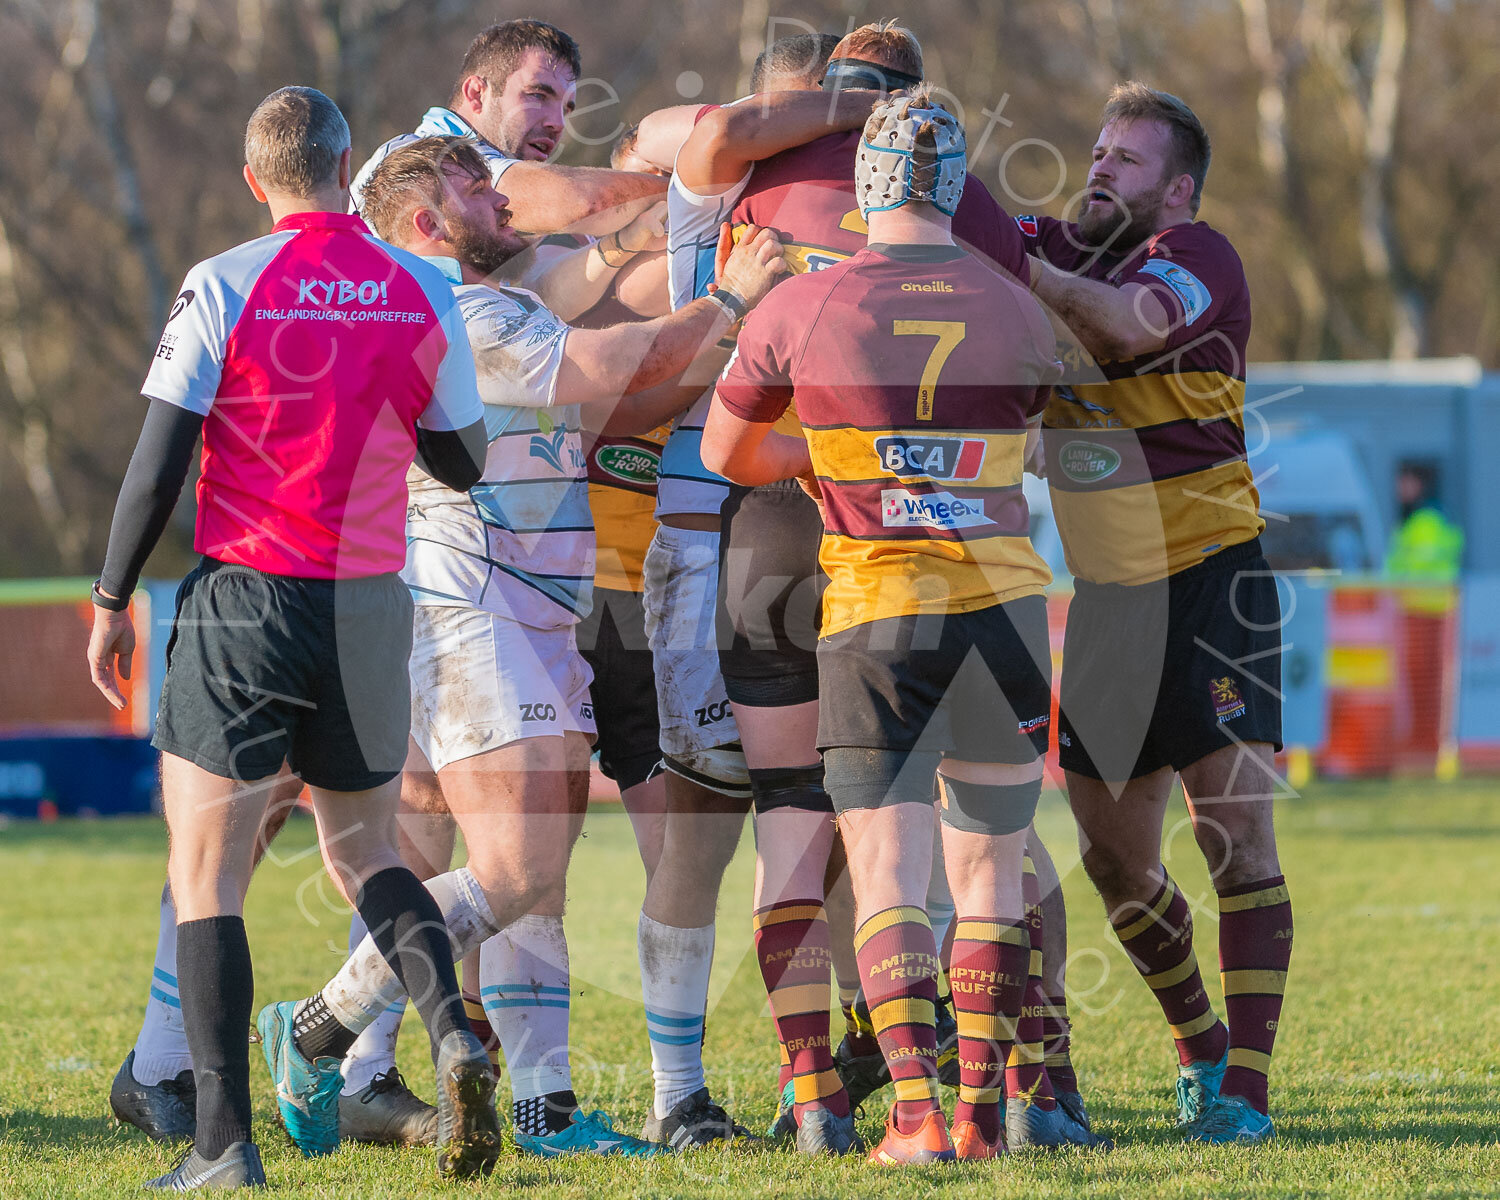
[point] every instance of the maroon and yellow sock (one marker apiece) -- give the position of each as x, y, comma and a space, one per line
784, 1072
479, 1025
1026, 1071
898, 964
1158, 938
987, 977
859, 1036
793, 949
1057, 1045
1255, 949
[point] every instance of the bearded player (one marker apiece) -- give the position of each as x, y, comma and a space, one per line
919, 373
1172, 658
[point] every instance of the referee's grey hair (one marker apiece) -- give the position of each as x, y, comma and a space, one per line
294, 141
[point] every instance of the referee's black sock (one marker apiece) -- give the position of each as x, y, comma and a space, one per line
216, 987
408, 929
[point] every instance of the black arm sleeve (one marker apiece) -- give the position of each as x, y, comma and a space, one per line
153, 481
454, 457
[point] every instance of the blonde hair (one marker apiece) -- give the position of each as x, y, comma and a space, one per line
883, 42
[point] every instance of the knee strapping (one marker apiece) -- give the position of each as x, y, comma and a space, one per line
790, 787
988, 808
862, 778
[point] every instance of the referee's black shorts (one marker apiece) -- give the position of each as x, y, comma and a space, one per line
770, 593
1161, 674
266, 668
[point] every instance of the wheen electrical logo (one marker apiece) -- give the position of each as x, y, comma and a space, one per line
900, 508
957, 458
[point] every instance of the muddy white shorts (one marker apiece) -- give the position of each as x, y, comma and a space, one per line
480, 681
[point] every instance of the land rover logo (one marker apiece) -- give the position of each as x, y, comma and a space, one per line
633, 464
1088, 462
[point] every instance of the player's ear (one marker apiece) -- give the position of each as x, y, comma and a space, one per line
345, 174
1180, 193
428, 224
471, 91
253, 184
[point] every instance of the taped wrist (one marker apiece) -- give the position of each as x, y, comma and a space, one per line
789, 787
988, 808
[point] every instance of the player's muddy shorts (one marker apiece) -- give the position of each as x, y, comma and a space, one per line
263, 668
975, 686
1161, 674
481, 681
770, 591
699, 739
612, 639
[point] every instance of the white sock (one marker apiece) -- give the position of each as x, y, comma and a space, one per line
374, 1051
366, 986
523, 981
939, 905
675, 964
161, 1049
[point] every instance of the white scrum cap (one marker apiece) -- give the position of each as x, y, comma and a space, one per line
892, 168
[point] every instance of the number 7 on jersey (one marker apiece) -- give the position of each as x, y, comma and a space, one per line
948, 334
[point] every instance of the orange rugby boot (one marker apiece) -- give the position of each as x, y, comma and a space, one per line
969, 1144
928, 1143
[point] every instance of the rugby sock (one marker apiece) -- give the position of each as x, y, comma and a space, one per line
374, 1051
1026, 1070
479, 1023
988, 981
1158, 938
523, 976
161, 1049
858, 1038
675, 965
784, 1071
899, 965
365, 985
792, 947
1255, 949
217, 991
1057, 1039
407, 925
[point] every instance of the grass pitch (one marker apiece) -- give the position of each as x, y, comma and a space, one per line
1387, 1062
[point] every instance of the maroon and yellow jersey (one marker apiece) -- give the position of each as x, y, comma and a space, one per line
622, 497
1146, 457
915, 370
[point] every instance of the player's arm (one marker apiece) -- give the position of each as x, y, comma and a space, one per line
602, 365
728, 141
751, 452
153, 482
661, 134
573, 281
548, 198
1111, 323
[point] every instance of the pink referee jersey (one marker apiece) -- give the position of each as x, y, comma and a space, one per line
313, 353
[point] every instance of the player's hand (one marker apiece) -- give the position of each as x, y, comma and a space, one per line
111, 647
753, 266
809, 484
647, 232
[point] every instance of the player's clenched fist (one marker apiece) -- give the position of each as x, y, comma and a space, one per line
750, 268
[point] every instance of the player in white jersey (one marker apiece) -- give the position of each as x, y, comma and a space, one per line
500, 578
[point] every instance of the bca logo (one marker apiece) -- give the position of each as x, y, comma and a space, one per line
933, 458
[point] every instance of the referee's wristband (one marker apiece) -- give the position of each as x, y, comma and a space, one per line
730, 303
108, 603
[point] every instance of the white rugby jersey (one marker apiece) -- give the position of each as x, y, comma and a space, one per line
520, 543
436, 122
684, 484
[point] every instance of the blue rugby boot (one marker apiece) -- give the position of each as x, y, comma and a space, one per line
1230, 1119
1197, 1088
307, 1093
591, 1133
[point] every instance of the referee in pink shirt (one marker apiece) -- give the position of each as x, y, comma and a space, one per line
316, 363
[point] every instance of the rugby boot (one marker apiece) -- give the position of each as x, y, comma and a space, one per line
969, 1144
1072, 1104
165, 1112
861, 1074
784, 1127
468, 1130
1028, 1126
1230, 1119
1197, 1088
591, 1133
928, 1143
694, 1121
238, 1167
385, 1112
307, 1092
822, 1132
947, 1043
